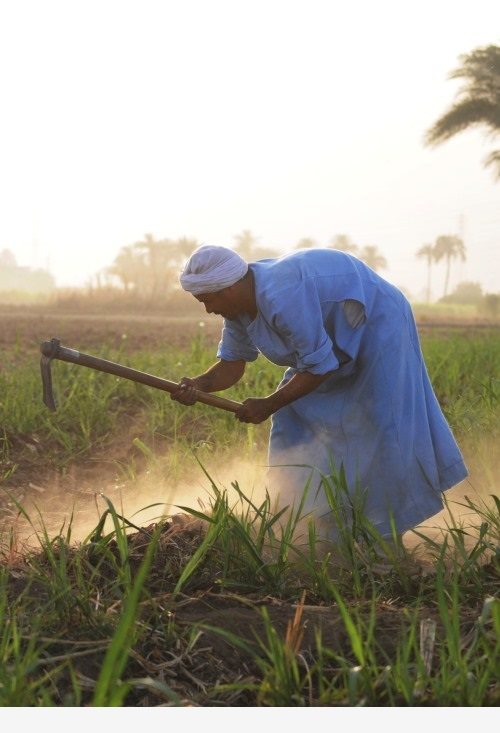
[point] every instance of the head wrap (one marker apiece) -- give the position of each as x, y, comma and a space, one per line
211, 268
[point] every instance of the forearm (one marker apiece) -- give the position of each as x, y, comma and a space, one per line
258, 410
298, 386
221, 375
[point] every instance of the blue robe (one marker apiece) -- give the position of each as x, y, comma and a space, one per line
376, 415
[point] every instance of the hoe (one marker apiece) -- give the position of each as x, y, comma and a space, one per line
53, 350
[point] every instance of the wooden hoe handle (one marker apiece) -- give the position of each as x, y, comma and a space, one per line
53, 350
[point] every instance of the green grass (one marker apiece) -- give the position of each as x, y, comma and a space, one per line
108, 620
93, 407
82, 624
464, 372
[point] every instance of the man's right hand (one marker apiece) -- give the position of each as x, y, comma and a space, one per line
185, 392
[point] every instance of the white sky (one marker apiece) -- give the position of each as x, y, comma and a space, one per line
202, 118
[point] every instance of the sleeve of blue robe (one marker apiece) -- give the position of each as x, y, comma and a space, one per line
315, 336
235, 343
314, 327
297, 319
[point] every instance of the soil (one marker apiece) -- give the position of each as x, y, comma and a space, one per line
220, 638
27, 329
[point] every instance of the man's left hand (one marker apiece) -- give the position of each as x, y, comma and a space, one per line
254, 411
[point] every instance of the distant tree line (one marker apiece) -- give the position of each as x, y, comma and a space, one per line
14, 278
150, 267
471, 293
446, 247
449, 248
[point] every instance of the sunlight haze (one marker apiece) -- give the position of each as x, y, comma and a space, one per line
202, 119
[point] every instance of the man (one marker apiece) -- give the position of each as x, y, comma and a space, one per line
356, 393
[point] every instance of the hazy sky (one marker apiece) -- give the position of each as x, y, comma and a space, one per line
202, 118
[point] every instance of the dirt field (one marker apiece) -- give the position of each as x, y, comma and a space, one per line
26, 330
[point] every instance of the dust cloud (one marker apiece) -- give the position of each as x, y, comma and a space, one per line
67, 503
483, 462
72, 502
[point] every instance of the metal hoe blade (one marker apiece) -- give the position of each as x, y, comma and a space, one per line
46, 372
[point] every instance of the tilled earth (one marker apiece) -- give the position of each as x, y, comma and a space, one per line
200, 641
25, 330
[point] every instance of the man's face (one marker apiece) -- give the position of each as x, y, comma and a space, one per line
223, 303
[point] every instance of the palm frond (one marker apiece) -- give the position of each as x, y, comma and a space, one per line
493, 159
477, 101
462, 115
481, 69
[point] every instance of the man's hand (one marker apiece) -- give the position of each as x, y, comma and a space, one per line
254, 411
186, 392
221, 375
258, 410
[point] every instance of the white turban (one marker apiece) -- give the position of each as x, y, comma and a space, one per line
211, 268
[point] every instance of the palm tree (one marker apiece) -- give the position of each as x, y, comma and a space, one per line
157, 255
151, 265
450, 247
184, 247
245, 244
126, 266
478, 101
265, 253
427, 252
306, 243
344, 243
373, 258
